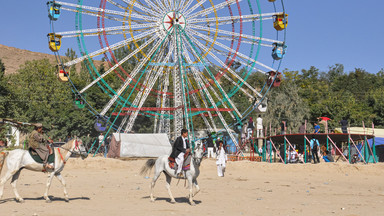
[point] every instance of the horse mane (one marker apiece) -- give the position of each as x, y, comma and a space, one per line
68, 145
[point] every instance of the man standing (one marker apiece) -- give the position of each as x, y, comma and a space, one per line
250, 128
314, 146
302, 128
283, 126
259, 127
210, 146
217, 142
344, 125
101, 138
39, 143
317, 128
180, 148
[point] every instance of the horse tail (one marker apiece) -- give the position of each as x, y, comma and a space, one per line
3, 155
147, 166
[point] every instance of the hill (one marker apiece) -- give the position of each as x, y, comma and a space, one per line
13, 57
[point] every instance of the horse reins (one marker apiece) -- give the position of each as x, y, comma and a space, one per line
61, 156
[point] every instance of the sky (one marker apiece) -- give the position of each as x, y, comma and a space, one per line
319, 33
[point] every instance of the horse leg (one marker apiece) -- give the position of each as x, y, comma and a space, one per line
5, 178
168, 186
13, 183
191, 191
197, 187
49, 181
157, 174
61, 179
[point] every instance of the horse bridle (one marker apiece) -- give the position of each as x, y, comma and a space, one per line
76, 147
195, 157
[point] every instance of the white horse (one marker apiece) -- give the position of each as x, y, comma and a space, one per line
19, 159
161, 165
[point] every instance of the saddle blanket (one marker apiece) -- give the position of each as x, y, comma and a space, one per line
36, 157
186, 164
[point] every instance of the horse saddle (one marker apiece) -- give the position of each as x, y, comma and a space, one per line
186, 164
37, 158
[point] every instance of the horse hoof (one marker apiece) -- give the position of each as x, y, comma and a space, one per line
173, 201
48, 201
66, 200
20, 200
193, 203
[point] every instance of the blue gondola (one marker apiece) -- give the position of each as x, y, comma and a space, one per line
101, 123
53, 10
278, 51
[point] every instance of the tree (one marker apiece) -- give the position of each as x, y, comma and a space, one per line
4, 92
285, 104
42, 98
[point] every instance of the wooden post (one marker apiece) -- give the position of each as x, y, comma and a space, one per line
305, 149
285, 149
349, 148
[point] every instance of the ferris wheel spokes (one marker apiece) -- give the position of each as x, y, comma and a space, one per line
90, 13
145, 44
142, 7
193, 32
212, 76
237, 35
213, 8
243, 18
226, 66
111, 47
132, 75
164, 122
202, 86
108, 11
198, 105
193, 8
97, 31
185, 6
155, 7
143, 94
224, 123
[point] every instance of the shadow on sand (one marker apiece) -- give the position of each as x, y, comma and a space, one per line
53, 199
177, 199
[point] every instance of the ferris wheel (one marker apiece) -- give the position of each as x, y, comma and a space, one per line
178, 61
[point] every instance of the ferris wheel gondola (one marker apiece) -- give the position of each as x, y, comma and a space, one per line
183, 61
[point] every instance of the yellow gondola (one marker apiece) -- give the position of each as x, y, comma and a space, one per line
63, 75
54, 42
281, 22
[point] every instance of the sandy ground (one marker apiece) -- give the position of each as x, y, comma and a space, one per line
99, 186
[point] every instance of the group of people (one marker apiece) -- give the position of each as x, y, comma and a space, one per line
251, 126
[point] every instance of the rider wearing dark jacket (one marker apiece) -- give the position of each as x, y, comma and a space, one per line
178, 146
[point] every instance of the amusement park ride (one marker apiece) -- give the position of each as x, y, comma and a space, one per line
184, 52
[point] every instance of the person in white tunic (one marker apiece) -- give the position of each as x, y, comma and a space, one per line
221, 159
259, 127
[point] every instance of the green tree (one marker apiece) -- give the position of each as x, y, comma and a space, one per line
42, 98
285, 104
4, 92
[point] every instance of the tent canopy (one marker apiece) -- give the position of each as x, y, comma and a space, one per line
143, 145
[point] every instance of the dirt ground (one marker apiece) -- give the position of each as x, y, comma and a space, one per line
99, 186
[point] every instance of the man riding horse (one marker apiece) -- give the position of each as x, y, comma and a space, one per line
180, 148
39, 142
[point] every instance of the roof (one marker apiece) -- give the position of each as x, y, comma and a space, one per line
337, 138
